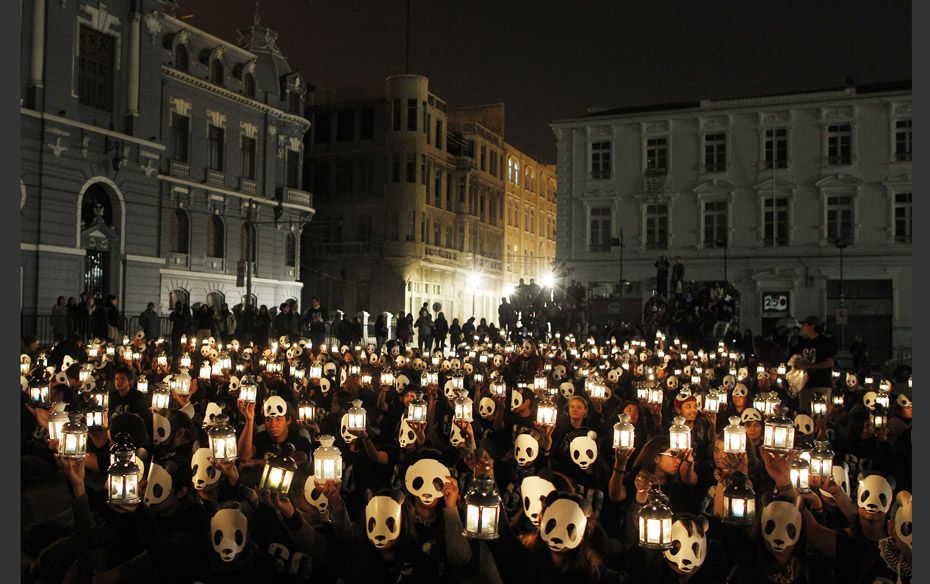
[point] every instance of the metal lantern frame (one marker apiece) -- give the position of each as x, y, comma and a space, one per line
679, 435
248, 389
624, 433
73, 441
734, 436
279, 469
123, 479
800, 473
417, 409
161, 397
821, 464
327, 461
222, 440
546, 412
482, 509
306, 410
739, 501
655, 522
357, 418
779, 433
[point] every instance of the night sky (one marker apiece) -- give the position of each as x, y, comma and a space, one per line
548, 59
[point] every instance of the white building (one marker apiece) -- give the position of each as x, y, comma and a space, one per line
778, 178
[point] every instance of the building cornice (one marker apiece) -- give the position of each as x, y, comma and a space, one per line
90, 128
233, 96
180, 24
258, 199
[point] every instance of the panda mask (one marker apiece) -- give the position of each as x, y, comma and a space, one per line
903, 519
874, 495
425, 479
567, 389
562, 525
583, 450
158, 485
205, 474
533, 491
689, 544
487, 408
318, 500
349, 437
229, 530
456, 435
869, 399
406, 436
841, 477
212, 411
161, 428
781, 525
274, 407
740, 390
750, 415
382, 520
516, 400
525, 449
804, 424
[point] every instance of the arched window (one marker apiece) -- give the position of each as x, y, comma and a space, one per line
216, 237
248, 85
216, 299
96, 203
180, 231
290, 250
247, 241
181, 59
216, 72
179, 295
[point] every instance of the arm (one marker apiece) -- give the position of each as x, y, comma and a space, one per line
686, 471
822, 538
458, 551
616, 490
245, 438
382, 398
373, 453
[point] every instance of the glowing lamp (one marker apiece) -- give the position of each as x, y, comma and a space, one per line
185, 361
279, 470
546, 412
142, 385
734, 437
416, 409
38, 391
624, 433
248, 389
739, 501
800, 474
315, 371
222, 439
655, 522
123, 479
818, 405
779, 433
498, 388
482, 509
679, 435
357, 417
821, 464
464, 410
57, 419
327, 461
306, 411
161, 398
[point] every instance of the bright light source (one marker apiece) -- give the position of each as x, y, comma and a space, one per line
509, 290
473, 279
548, 280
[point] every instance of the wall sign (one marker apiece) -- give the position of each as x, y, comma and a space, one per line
775, 302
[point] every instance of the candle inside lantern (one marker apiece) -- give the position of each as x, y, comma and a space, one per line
679, 435
734, 437
624, 433
327, 461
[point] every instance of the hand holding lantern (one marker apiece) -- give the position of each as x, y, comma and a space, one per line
482, 509
279, 470
222, 439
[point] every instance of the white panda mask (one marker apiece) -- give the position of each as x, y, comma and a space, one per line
498, 360
325, 385
533, 491
852, 380
567, 389
382, 520
158, 485
188, 410
425, 480
486, 408
562, 525
584, 450
406, 436
559, 371
469, 368
729, 382
903, 401
743, 373
740, 390
671, 382
804, 424
869, 399
318, 500
781, 525
274, 407
614, 375
904, 520
874, 495
841, 477
525, 449
212, 411
161, 428
349, 437
456, 436
516, 400
750, 415
205, 474
229, 530
448, 390
400, 382
689, 545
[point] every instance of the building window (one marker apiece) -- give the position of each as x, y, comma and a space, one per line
180, 137
513, 171
395, 167
598, 229
715, 223
657, 155
483, 158
839, 144
394, 226
96, 52
248, 157
411, 167
216, 237
657, 226
439, 134
412, 115
367, 124
180, 231
427, 123
902, 217
181, 58
437, 192
216, 300
216, 137
216, 72
530, 180
345, 125
293, 169
343, 176
493, 163
776, 148
321, 178
437, 234
365, 175
322, 131
775, 220
424, 171
293, 103
248, 85
600, 160
903, 141
396, 114
290, 250
715, 152
839, 218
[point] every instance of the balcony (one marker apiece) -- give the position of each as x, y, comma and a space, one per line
463, 163
347, 248
489, 264
247, 186
298, 197
216, 178
178, 259
440, 253
215, 264
179, 169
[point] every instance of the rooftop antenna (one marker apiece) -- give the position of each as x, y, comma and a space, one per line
407, 51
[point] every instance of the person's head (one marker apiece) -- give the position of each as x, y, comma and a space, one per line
30, 343
183, 430
577, 408
284, 307
900, 525
151, 306
225, 307
167, 484
408, 394
315, 302
277, 427
89, 300
111, 300
810, 327
528, 349
687, 407
178, 306
720, 455
122, 380
61, 301
752, 421
632, 410
656, 458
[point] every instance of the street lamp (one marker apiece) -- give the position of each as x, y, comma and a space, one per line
473, 280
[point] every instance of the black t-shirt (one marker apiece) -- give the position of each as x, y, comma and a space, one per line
263, 444
816, 350
133, 403
317, 318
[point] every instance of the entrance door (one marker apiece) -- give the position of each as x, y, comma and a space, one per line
96, 272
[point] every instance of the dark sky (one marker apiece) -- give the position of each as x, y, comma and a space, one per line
548, 59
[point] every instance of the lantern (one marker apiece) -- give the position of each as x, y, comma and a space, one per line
123, 479
306, 411
540, 382
92, 351
499, 388
642, 391
739, 501
482, 509
38, 391
800, 473
327, 461
96, 417
822, 459
354, 370
679, 435
431, 378
546, 412
722, 397
596, 388
85, 373
387, 377
126, 354
478, 378
183, 339
712, 401
879, 417
779, 433
837, 399
72, 442
222, 439
463, 408
100, 397
185, 361
57, 418
205, 370
248, 389
225, 361
483, 358
772, 402
818, 405
458, 382
279, 470
142, 385
216, 370
781, 369
655, 522
624, 433
883, 399
356, 421
366, 378
316, 371
734, 437
162, 361
180, 383
416, 409
161, 398
111, 351
655, 394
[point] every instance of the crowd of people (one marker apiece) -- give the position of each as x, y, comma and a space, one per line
529, 424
